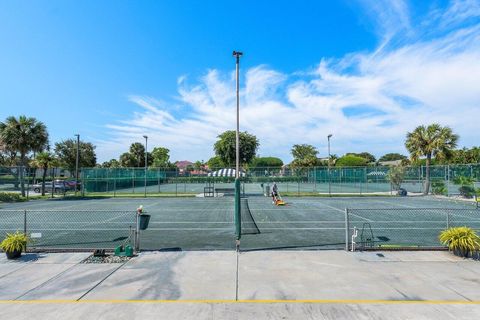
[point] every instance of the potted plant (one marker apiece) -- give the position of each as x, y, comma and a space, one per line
144, 219
462, 241
14, 244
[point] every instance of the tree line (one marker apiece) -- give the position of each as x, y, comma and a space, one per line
24, 141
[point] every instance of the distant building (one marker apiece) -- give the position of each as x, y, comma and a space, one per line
182, 165
390, 163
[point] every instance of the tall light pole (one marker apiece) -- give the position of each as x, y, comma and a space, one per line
329, 160
238, 219
146, 161
76, 162
237, 56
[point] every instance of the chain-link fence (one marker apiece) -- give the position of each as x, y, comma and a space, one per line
294, 181
445, 180
209, 224
34, 182
404, 227
69, 229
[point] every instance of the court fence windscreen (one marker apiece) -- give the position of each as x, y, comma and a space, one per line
445, 180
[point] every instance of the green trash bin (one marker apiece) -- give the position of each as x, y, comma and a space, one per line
144, 220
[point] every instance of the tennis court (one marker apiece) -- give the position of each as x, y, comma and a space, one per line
208, 223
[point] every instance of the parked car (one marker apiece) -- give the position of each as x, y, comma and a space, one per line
72, 183
59, 186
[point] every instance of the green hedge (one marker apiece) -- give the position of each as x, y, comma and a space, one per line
232, 179
10, 197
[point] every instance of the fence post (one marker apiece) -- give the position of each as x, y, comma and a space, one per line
53, 182
82, 182
137, 232
108, 181
448, 220
360, 180
347, 229
133, 180
237, 213
25, 226
28, 183
25, 221
329, 180
448, 180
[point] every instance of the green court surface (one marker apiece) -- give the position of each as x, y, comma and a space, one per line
208, 223
255, 188
258, 188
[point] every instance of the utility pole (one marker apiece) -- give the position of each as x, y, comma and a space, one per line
76, 162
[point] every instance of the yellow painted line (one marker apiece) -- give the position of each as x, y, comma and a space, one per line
217, 301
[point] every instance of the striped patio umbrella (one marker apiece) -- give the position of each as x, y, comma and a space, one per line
225, 173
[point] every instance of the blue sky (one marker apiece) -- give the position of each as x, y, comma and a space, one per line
366, 71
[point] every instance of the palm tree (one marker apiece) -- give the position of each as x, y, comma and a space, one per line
44, 160
23, 135
138, 152
432, 141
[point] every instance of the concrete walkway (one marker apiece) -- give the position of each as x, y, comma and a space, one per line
269, 284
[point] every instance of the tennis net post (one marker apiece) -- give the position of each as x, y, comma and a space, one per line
237, 213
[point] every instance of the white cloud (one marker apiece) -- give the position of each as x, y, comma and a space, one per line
389, 91
391, 18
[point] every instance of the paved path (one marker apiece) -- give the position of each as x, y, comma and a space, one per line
271, 284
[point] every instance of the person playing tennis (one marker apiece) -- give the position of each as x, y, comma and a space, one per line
274, 192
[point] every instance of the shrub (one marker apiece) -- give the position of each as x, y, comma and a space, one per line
396, 176
264, 162
467, 191
14, 242
466, 186
461, 240
10, 197
439, 187
351, 161
463, 180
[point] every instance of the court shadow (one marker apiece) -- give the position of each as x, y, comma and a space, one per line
73, 198
383, 239
81, 243
173, 249
323, 246
28, 257
119, 239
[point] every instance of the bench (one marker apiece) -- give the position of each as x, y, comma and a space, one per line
225, 191
208, 192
